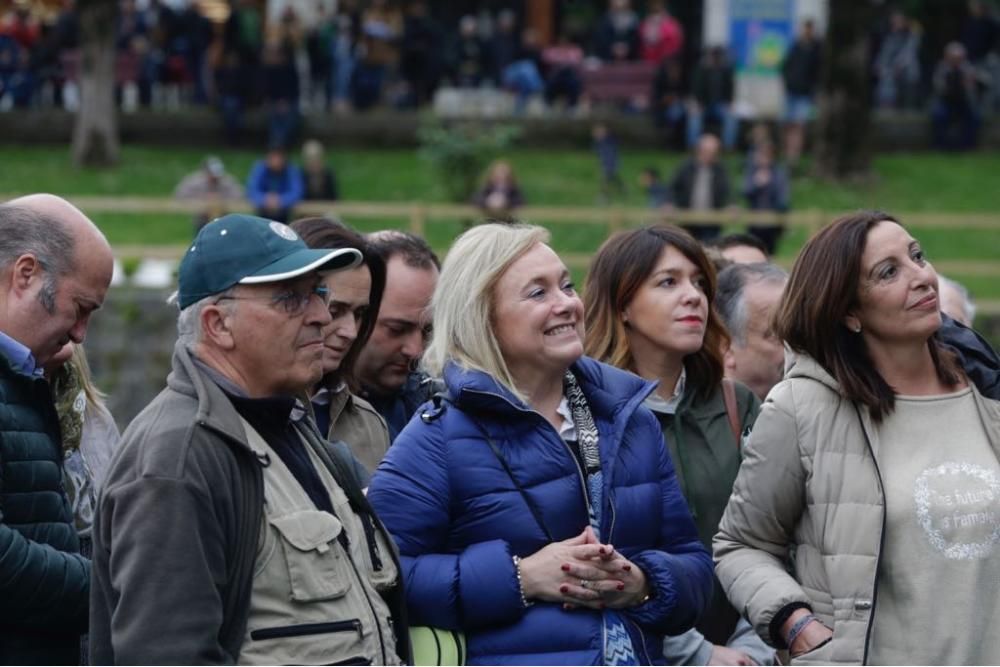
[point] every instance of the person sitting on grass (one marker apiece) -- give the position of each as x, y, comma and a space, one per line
275, 185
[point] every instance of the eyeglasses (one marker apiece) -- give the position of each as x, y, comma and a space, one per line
293, 302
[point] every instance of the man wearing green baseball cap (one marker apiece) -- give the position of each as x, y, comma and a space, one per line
227, 531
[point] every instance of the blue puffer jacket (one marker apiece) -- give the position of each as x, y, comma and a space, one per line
458, 519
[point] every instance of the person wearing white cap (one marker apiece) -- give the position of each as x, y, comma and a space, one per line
216, 189
227, 532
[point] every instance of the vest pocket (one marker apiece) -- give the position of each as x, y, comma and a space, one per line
318, 567
304, 629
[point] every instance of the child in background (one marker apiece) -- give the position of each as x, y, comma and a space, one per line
500, 193
607, 154
657, 193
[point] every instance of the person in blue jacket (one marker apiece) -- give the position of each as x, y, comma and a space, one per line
275, 185
534, 502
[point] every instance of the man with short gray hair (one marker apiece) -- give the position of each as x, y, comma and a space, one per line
227, 532
746, 299
55, 268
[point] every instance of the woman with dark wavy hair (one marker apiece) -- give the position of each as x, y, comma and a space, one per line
356, 296
865, 520
649, 310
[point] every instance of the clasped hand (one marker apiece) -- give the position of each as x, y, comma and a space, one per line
583, 572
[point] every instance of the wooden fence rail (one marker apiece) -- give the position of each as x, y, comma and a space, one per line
418, 215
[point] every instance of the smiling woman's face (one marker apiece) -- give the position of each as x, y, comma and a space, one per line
537, 315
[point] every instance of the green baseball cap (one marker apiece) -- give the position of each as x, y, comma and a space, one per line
247, 250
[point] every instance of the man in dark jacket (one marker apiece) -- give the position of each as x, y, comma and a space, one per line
387, 364
800, 72
713, 88
701, 184
55, 267
227, 532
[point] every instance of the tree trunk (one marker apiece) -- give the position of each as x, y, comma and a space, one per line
95, 135
843, 146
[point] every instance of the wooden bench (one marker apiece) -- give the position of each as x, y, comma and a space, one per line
126, 66
619, 83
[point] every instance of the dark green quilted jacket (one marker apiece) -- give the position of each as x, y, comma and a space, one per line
44, 581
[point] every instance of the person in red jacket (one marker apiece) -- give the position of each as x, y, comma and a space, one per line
661, 35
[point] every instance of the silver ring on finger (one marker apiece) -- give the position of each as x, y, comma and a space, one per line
583, 583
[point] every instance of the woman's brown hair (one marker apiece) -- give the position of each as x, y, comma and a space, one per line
617, 272
822, 291
321, 232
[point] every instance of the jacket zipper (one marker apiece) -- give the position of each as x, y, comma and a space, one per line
881, 541
642, 639
304, 629
579, 470
231, 615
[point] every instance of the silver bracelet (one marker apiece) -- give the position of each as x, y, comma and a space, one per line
520, 583
797, 629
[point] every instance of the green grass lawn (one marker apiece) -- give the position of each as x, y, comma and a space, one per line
903, 182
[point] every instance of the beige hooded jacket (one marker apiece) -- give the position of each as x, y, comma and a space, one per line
809, 495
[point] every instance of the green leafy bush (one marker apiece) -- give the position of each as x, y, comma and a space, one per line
459, 152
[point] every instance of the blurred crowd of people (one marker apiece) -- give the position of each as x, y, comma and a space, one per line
274, 186
701, 182
370, 53
962, 84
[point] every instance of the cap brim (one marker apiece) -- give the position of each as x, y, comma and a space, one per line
304, 261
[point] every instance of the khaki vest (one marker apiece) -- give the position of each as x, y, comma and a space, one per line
313, 601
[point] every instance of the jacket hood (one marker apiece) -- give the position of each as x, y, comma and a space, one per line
608, 389
799, 365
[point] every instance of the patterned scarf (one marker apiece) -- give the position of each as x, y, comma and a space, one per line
71, 403
618, 649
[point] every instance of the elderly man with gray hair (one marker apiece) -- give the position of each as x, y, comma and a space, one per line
55, 268
746, 299
955, 300
228, 532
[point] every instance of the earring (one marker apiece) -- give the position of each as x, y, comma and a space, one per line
857, 329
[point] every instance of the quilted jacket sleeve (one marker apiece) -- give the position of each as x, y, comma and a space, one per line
474, 588
679, 569
767, 502
41, 586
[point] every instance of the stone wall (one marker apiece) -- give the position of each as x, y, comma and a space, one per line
129, 344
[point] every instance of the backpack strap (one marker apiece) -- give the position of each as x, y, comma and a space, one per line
732, 412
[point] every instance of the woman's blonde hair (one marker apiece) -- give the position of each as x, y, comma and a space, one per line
95, 396
464, 300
